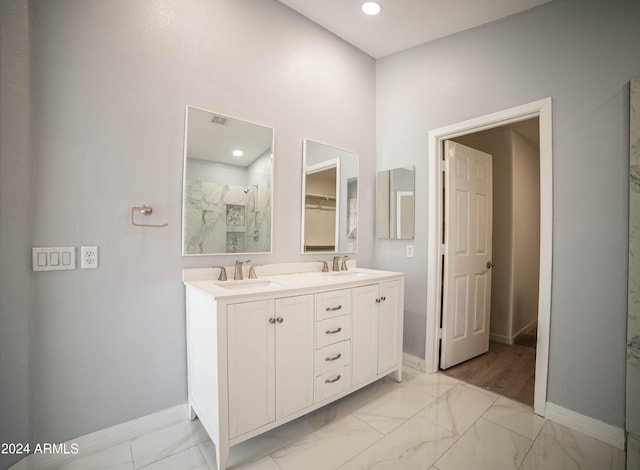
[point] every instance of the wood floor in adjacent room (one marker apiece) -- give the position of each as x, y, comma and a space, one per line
508, 370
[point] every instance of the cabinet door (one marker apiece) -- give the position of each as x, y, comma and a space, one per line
389, 325
364, 333
251, 368
294, 354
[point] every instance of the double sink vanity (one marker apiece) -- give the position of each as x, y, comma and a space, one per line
281, 340
262, 352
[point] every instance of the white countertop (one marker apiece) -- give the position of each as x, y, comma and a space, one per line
277, 285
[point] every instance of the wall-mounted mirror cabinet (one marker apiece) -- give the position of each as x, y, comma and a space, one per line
395, 191
227, 189
329, 199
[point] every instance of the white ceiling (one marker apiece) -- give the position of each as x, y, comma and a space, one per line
404, 23
215, 140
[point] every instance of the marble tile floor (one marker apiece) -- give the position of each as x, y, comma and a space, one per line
428, 422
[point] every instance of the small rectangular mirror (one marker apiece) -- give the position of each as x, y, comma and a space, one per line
227, 193
329, 199
395, 203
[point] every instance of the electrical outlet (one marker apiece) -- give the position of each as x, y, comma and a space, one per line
88, 257
409, 251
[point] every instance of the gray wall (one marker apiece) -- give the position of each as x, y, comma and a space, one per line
110, 83
15, 224
526, 234
581, 53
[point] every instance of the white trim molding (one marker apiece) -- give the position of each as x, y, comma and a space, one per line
413, 362
591, 427
511, 340
108, 437
542, 110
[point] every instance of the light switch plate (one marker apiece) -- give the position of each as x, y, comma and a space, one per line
409, 251
53, 258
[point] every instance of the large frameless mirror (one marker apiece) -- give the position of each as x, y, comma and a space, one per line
395, 204
227, 193
330, 199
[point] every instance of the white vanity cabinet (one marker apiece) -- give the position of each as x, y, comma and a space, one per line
377, 330
270, 363
259, 358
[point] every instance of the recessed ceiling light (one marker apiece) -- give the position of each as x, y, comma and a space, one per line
371, 8
238, 153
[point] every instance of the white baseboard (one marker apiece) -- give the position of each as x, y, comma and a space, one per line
501, 338
413, 362
106, 438
511, 340
524, 329
586, 425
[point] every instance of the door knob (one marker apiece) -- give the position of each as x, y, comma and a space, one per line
490, 264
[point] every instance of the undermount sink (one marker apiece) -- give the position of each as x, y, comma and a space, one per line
347, 274
248, 284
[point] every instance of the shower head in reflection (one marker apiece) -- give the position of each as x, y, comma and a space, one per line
246, 190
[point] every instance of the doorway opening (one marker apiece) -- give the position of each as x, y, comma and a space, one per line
504, 360
321, 211
541, 111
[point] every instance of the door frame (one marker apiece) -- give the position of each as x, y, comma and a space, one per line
541, 109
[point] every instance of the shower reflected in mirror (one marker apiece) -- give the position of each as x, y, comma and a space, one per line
227, 192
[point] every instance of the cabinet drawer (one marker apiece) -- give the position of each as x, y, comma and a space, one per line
333, 382
333, 303
333, 330
332, 357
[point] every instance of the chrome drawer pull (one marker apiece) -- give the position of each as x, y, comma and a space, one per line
330, 381
334, 358
333, 309
333, 332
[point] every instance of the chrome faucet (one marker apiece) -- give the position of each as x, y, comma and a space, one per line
223, 273
337, 266
252, 271
237, 273
325, 267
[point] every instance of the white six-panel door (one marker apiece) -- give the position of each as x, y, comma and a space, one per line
466, 292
